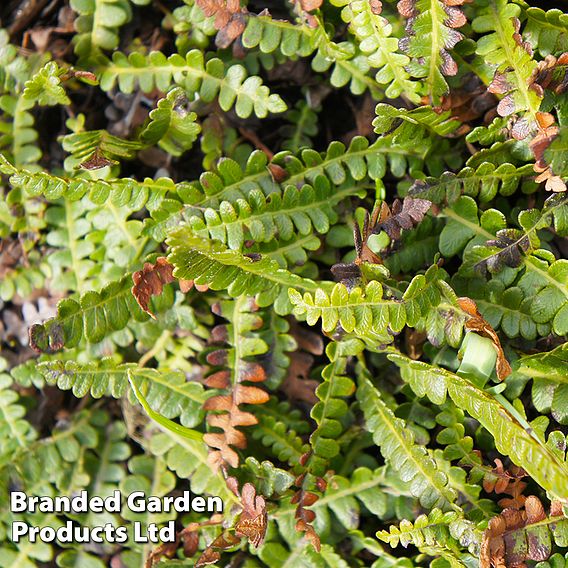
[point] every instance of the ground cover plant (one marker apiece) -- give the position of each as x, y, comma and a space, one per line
308, 256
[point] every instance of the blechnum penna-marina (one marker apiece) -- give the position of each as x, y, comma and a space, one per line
305, 256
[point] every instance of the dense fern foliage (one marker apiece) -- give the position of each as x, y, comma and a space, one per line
309, 257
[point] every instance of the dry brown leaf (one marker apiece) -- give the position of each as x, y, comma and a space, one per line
209, 556
96, 161
476, 323
510, 538
310, 533
150, 282
548, 131
223, 409
230, 19
297, 385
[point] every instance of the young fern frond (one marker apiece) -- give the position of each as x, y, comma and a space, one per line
171, 126
373, 312
434, 530
373, 32
207, 80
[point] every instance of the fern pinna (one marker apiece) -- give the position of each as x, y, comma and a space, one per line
309, 257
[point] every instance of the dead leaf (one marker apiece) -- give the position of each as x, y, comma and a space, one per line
515, 536
209, 556
96, 161
297, 385
230, 19
402, 215
150, 282
476, 323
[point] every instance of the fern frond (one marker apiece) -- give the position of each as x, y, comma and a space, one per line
303, 126
370, 312
188, 460
364, 312
270, 35
430, 34
206, 80
124, 191
483, 182
231, 182
416, 126
373, 33
548, 371
498, 19
310, 208
212, 263
418, 248
93, 317
276, 431
331, 407
98, 24
411, 460
511, 437
171, 126
15, 431
433, 529
547, 31
344, 496
167, 391
85, 145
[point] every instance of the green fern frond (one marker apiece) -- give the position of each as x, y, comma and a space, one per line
344, 496
511, 437
98, 24
124, 191
171, 126
84, 145
212, 263
411, 460
206, 80
276, 431
331, 407
15, 431
295, 211
167, 391
93, 317
414, 127
547, 31
270, 35
514, 65
483, 182
373, 33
